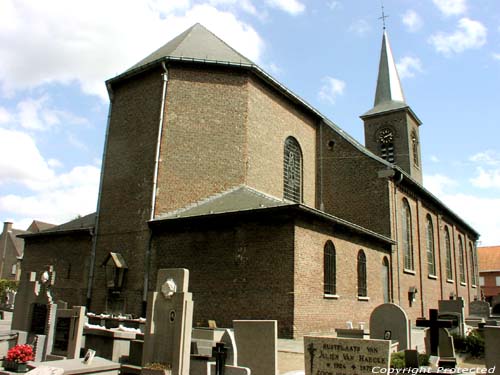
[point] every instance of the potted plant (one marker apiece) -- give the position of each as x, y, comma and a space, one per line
157, 369
17, 357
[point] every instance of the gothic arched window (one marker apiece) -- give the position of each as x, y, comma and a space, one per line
447, 245
472, 265
292, 171
431, 258
329, 268
362, 288
407, 236
414, 146
461, 259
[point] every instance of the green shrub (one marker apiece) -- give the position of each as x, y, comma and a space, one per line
398, 360
472, 344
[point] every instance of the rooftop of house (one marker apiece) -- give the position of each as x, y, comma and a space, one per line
489, 258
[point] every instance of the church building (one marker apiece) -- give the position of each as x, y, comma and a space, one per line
211, 164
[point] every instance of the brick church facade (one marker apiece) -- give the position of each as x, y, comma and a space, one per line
212, 165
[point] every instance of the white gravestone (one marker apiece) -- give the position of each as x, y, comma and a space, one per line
167, 338
343, 356
390, 322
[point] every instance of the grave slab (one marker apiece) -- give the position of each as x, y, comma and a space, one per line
390, 322
479, 309
76, 366
491, 348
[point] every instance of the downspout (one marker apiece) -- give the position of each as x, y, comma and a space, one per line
419, 243
397, 182
321, 203
147, 256
98, 208
442, 281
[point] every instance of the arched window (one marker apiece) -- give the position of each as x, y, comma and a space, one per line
386, 289
461, 259
447, 246
362, 290
407, 236
329, 268
472, 265
292, 171
431, 257
414, 145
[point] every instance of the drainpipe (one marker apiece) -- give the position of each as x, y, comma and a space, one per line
96, 227
147, 256
397, 181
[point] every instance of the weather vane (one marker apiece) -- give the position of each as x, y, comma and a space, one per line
383, 15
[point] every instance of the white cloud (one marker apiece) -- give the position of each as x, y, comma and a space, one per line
408, 66
76, 43
434, 159
496, 56
5, 116
412, 20
487, 179
332, 87
245, 5
53, 197
469, 34
451, 7
360, 27
479, 212
333, 4
294, 7
489, 157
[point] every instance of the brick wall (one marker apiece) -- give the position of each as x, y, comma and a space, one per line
69, 254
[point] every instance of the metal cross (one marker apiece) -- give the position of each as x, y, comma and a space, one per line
434, 324
383, 16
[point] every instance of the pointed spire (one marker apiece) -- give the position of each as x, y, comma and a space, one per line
388, 85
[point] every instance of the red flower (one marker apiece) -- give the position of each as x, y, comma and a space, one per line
20, 353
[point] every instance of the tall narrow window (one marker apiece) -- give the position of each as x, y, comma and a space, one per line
385, 280
329, 269
292, 171
407, 236
472, 265
431, 257
362, 289
447, 246
414, 145
461, 259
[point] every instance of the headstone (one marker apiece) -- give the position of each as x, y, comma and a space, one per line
350, 333
411, 358
257, 343
230, 344
35, 310
69, 332
340, 356
479, 309
446, 347
456, 307
434, 324
167, 338
220, 355
390, 322
491, 345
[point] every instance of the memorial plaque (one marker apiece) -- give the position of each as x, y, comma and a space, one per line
39, 319
342, 356
61, 339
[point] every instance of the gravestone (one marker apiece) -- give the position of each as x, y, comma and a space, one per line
456, 307
167, 338
480, 309
446, 348
342, 356
390, 322
257, 343
491, 345
350, 333
69, 332
35, 311
229, 342
411, 358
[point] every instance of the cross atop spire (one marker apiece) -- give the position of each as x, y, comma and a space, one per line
383, 16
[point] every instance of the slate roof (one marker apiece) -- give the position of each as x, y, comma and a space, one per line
199, 45
37, 226
246, 199
488, 258
86, 222
17, 242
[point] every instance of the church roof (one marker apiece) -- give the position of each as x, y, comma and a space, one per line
246, 199
389, 94
83, 223
489, 258
37, 226
196, 43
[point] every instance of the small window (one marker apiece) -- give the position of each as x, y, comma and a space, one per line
292, 171
362, 287
431, 257
447, 245
329, 269
414, 145
407, 236
481, 280
497, 280
461, 259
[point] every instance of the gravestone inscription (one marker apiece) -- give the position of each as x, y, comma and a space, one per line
343, 356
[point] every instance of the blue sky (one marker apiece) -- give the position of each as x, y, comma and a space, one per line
56, 55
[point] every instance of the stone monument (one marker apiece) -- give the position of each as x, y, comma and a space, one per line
390, 322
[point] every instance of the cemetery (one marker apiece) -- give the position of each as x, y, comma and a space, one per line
42, 336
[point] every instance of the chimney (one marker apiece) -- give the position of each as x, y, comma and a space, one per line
7, 227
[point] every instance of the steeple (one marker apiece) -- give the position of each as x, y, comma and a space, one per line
391, 127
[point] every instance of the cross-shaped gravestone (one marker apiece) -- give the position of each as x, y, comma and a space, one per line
220, 354
433, 323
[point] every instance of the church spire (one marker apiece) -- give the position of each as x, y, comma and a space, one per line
388, 84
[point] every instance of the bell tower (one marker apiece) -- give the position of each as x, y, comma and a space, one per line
391, 127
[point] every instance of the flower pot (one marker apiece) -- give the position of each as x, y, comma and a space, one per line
15, 366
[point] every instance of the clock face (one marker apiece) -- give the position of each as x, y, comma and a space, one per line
385, 136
